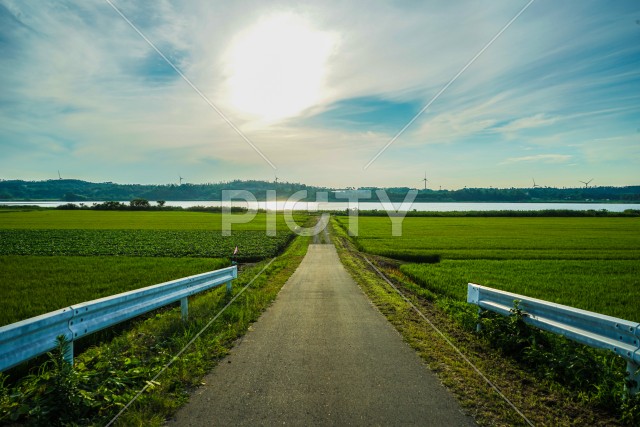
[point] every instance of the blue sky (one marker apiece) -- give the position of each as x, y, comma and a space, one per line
319, 89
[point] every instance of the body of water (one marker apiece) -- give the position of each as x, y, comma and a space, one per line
422, 207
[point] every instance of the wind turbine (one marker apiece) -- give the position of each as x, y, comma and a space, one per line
534, 183
425, 180
276, 180
586, 184
181, 178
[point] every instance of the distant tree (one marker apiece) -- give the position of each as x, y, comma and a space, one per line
161, 203
71, 190
68, 207
71, 197
139, 203
110, 205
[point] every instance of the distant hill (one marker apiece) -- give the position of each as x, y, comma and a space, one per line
73, 190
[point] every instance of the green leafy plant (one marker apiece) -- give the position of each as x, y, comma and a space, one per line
509, 334
595, 375
50, 397
254, 245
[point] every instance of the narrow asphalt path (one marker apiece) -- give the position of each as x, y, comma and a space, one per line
321, 355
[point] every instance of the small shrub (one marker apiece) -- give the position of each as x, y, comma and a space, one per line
139, 204
68, 206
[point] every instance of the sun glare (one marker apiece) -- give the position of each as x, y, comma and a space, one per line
276, 68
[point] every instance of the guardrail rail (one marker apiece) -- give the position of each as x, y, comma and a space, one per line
593, 329
24, 340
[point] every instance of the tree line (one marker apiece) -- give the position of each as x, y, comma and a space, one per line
81, 191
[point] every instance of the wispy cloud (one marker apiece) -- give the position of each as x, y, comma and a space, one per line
524, 123
539, 158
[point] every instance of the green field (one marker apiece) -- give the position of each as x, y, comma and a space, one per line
50, 259
33, 285
138, 220
168, 234
590, 263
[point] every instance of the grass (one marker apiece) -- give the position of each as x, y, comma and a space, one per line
590, 263
33, 285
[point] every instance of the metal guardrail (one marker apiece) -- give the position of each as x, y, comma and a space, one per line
596, 330
24, 340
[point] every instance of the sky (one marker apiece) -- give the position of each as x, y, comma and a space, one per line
312, 92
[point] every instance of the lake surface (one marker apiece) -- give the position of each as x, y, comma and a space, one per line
422, 207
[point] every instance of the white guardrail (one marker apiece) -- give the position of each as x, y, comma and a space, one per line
586, 327
24, 340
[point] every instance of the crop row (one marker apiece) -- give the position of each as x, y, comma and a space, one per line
252, 245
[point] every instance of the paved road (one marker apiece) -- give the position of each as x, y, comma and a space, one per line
321, 355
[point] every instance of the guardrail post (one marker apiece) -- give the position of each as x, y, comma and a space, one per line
633, 373
229, 287
184, 308
473, 297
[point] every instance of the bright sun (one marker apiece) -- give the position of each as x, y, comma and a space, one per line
276, 68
